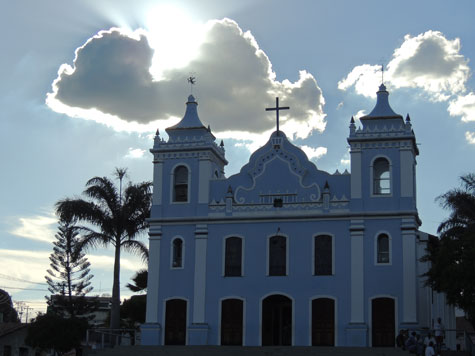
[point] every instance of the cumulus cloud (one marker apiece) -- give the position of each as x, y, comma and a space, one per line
428, 61
470, 137
40, 228
314, 153
135, 153
107, 262
110, 81
463, 106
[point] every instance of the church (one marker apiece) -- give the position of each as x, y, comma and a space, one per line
283, 253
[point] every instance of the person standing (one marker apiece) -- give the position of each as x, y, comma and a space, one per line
430, 349
439, 330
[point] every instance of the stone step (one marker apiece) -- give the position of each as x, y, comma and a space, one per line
246, 351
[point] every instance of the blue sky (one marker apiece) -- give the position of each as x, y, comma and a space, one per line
85, 84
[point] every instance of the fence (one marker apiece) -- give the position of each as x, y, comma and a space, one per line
470, 343
100, 338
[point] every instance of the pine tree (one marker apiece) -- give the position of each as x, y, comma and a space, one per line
69, 278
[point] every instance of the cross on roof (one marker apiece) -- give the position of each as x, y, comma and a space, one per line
277, 109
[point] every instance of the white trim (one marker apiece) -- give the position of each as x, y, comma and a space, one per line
260, 314
223, 259
370, 316
182, 252
375, 247
313, 253
243, 317
335, 317
371, 182
164, 316
172, 183
287, 248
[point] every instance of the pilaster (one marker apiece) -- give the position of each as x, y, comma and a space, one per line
409, 271
201, 240
155, 236
355, 155
357, 271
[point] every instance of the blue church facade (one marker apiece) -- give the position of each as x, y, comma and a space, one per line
283, 253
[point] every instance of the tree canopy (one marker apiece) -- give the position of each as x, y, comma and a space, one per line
452, 256
52, 331
9, 314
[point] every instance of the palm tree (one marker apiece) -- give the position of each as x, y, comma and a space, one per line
111, 217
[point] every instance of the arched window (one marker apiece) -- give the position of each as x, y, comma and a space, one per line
177, 253
323, 255
382, 249
233, 257
277, 256
381, 177
180, 184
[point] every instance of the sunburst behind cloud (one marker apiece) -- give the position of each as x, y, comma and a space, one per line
110, 81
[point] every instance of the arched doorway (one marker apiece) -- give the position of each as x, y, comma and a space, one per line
276, 320
175, 322
382, 322
323, 322
231, 322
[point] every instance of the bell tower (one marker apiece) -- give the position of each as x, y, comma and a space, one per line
184, 165
383, 159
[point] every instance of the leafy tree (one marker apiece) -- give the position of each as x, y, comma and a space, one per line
133, 310
452, 256
9, 314
52, 331
68, 278
111, 217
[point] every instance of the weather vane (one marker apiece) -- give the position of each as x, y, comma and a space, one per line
192, 80
382, 60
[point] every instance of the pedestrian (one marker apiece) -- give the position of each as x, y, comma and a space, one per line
428, 339
430, 349
439, 331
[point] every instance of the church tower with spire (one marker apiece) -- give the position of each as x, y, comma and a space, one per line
185, 164
383, 159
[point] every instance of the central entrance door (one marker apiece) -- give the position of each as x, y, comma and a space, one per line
382, 312
323, 322
175, 322
276, 320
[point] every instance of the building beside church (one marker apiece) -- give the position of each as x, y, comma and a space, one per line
283, 253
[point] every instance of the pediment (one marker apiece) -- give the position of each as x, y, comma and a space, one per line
278, 170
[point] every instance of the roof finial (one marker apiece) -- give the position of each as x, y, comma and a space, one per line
382, 73
192, 80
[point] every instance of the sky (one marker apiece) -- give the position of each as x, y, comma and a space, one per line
85, 84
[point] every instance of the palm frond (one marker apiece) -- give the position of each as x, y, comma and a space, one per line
136, 247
